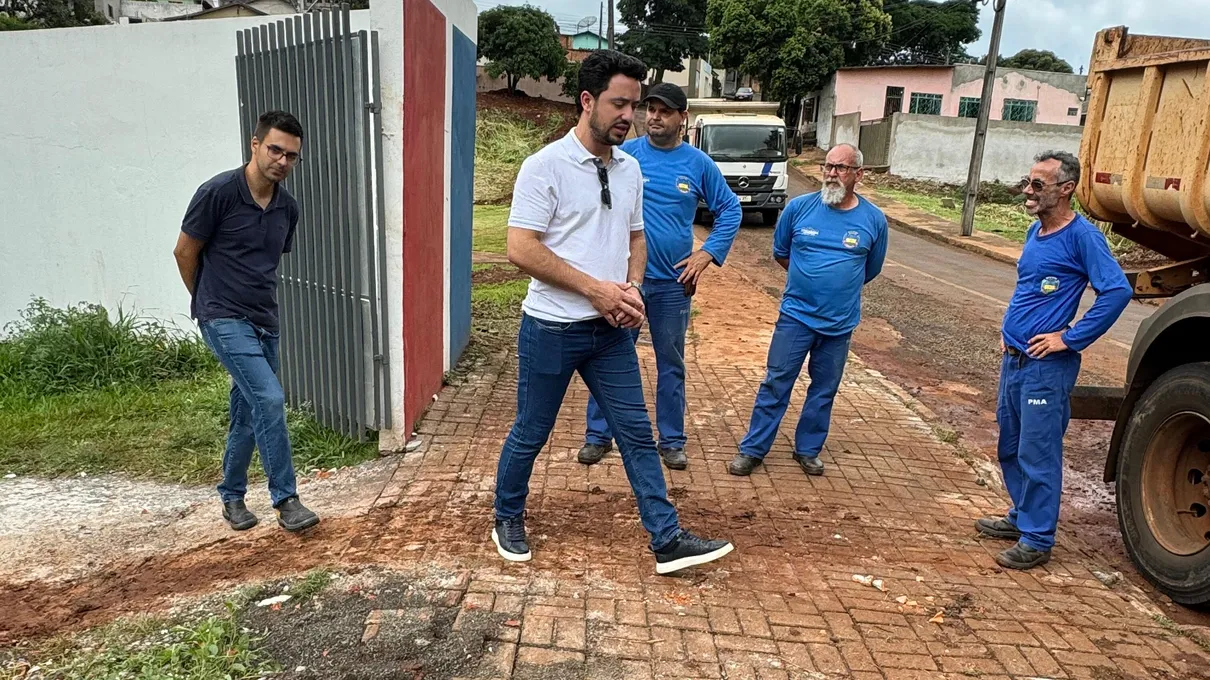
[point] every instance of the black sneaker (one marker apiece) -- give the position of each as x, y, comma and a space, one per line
1021, 556
239, 516
591, 454
742, 465
675, 459
509, 537
810, 465
997, 527
687, 551
292, 516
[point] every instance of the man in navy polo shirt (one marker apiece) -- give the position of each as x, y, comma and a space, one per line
1063, 254
232, 238
832, 243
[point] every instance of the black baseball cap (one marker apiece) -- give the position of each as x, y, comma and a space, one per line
670, 94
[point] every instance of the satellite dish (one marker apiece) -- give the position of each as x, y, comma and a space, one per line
585, 23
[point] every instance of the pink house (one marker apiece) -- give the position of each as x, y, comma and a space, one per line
1018, 95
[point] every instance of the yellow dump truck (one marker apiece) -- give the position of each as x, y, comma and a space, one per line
1144, 160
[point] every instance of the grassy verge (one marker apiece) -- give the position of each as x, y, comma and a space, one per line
491, 229
502, 141
81, 393
1009, 221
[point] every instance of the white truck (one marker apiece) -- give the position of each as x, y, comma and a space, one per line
748, 143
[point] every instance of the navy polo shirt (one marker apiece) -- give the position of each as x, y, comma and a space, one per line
237, 276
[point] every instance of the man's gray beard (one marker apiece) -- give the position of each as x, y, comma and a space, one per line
833, 194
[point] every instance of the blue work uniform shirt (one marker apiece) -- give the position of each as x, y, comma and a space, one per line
237, 274
1051, 277
674, 180
833, 254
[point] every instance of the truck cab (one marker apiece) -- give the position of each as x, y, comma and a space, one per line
750, 150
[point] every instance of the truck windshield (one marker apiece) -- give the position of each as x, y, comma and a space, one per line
745, 142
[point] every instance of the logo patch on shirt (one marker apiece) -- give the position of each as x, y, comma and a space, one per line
851, 239
1036, 402
808, 231
683, 185
1049, 285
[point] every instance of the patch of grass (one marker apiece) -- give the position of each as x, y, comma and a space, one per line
1009, 221
311, 585
493, 300
1174, 628
491, 229
502, 141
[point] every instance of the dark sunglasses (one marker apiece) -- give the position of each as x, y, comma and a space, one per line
1037, 184
603, 175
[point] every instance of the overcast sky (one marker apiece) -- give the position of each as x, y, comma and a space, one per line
1066, 27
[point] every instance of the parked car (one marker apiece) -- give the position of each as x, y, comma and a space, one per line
743, 94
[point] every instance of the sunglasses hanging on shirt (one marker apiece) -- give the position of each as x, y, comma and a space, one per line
603, 175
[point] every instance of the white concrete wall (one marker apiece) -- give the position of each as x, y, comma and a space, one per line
535, 88
157, 10
939, 148
846, 129
827, 109
112, 132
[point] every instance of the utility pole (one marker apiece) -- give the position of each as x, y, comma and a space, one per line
985, 106
599, 22
611, 24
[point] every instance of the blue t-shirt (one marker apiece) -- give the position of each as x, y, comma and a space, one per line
1051, 276
673, 182
237, 276
833, 253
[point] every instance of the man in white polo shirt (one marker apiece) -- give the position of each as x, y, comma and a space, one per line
576, 227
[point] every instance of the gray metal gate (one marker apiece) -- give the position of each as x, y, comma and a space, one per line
333, 284
875, 142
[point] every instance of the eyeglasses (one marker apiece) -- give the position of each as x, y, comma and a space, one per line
1037, 184
834, 167
276, 152
603, 175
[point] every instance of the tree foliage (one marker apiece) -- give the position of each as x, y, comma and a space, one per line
1034, 60
23, 14
571, 80
663, 33
521, 42
794, 46
930, 32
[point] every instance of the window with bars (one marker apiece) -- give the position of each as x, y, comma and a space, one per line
1073, 111
927, 104
1021, 110
968, 107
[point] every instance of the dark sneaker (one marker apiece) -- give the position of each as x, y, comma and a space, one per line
509, 537
592, 454
689, 551
239, 516
1021, 556
292, 516
997, 527
675, 459
742, 465
810, 465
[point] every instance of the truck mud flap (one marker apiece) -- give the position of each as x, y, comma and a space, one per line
1094, 402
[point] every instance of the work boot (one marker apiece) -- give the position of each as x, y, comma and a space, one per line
810, 464
509, 537
675, 459
742, 465
591, 454
238, 515
293, 516
997, 527
687, 551
1021, 556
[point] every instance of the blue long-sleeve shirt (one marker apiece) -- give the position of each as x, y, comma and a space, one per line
673, 182
832, 253
1051, 276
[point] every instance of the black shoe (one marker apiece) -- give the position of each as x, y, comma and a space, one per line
742, 465
997, 527
509, 537
675, 459
1021, 556
238, 515
687, 551
810, 465
591, 454
292, 516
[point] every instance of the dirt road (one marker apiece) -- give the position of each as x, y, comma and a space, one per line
931, 324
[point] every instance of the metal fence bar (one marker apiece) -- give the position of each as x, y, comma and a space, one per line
349, 256
382, 329
343, 119
325, 218
365, 250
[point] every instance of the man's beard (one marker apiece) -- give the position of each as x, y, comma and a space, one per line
833, 193
604, 135
665, 138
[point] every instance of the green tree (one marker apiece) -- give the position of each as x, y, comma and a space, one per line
1034, 60
521, 42
794, 46
663, 32
930, 32
20, 14
571, 80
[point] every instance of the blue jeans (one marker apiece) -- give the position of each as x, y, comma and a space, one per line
257, 408
792, 342
1033, 410
548, 354
667, 321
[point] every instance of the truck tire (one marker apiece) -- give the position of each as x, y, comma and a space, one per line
1163, 484
770, 216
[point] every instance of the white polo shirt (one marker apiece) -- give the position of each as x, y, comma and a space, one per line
558, 193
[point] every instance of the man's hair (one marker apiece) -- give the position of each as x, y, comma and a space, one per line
858, 157
278, 120
1069, 165
600, 67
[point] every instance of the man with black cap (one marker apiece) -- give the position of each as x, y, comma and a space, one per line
676, 177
